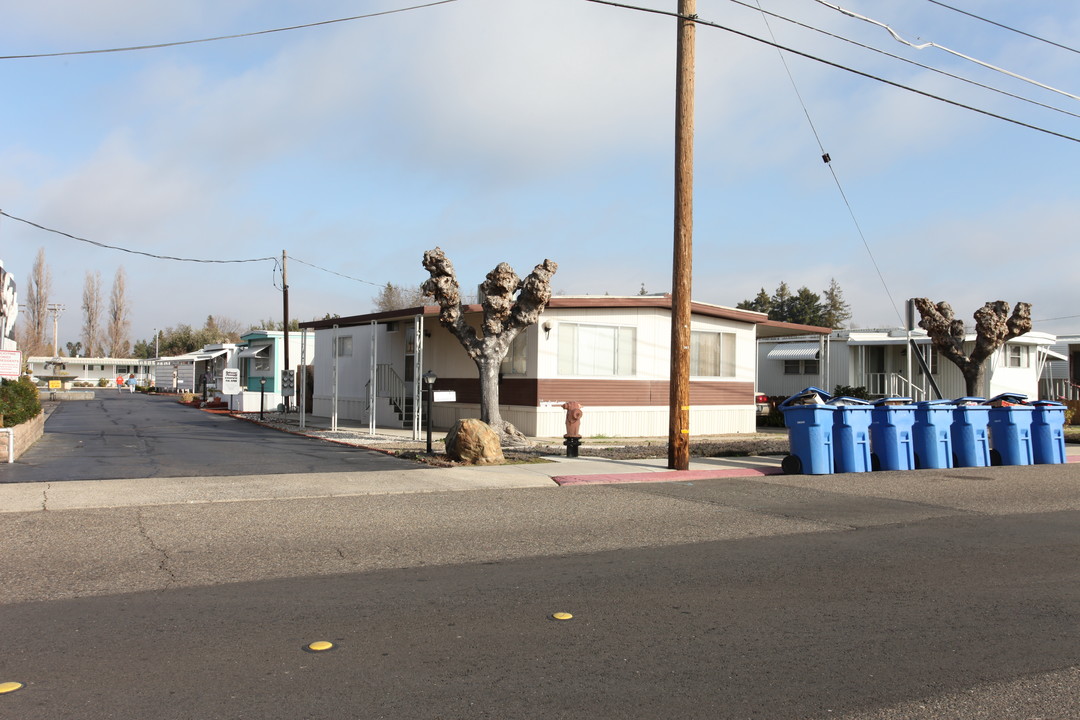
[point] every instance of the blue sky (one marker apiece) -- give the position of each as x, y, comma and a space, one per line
518, 130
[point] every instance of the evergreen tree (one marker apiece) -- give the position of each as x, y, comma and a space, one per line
837, 313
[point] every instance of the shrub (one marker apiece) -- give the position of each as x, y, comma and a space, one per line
849, 391
18, 401
102, 382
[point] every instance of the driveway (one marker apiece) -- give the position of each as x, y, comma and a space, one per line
123, 436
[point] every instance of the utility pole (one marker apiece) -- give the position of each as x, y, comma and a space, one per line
679, 402
55, 309
285, 302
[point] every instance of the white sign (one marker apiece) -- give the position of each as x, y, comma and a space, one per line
10, 360
444, 396
230, 381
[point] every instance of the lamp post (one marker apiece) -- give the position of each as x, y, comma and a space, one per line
429, 381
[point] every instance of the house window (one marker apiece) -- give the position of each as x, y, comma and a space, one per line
261, 362
801, 367
931, 357
344, 346
712, 354
596, 349
514, 362
1017, 356
123, 369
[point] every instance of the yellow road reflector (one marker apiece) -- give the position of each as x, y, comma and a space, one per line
10, 687
562, 616
320, 646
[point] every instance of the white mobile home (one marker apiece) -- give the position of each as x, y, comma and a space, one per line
882, 362
610, 354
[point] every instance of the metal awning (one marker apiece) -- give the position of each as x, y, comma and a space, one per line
210, 355
1050, 353
794, 351
253, 351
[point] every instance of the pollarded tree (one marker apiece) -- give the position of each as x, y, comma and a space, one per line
504, 317
994, 326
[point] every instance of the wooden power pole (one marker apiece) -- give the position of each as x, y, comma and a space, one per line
285, 309
679, 409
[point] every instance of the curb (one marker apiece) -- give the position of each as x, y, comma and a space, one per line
663, 476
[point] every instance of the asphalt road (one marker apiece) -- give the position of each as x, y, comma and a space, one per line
120, 435
918, 595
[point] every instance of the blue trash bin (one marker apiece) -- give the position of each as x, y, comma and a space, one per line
891, 424
932, 434
970, 435
1048, 433
810, 433
851, 434
1010, 430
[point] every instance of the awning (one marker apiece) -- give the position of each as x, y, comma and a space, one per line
794, 351
209, 355
1050, 353
253, 351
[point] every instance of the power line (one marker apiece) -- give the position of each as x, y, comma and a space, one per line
861, 73
224, 37
1006, 27
901, 58
922, 46
332, 272
836, 178
133, 252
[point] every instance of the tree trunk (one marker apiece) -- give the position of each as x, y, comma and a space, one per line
973, 378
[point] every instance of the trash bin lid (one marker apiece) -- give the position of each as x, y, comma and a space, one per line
1048, 404
808, 396
845, 400
969, 400
892, 401
923, 404
1015, 398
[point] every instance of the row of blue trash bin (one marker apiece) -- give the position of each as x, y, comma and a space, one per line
844, 434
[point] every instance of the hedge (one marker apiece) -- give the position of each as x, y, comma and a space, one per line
18, 401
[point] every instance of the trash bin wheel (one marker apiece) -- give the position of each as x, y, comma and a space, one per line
995, 457
791, 465
918, 462
875, 462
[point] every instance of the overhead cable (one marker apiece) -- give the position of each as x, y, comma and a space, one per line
1006, 27
922, 46
133, 252
224, 37
903, 59
332, 272
808, 56
836, 178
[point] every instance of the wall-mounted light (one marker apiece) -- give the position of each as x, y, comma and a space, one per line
547, 329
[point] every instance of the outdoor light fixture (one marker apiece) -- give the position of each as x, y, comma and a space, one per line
429, 380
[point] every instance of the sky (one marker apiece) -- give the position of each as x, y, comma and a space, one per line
520, 130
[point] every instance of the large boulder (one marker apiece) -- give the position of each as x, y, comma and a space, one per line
473, 441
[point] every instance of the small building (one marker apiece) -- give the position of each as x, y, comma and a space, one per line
611, 354
89, 372
1060, 379
192, 371
881, 362
261, 360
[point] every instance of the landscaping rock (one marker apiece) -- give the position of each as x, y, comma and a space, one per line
473, 441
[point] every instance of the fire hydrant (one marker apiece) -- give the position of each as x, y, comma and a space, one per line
572, 438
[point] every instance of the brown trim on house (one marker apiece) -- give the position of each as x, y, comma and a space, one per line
610, 393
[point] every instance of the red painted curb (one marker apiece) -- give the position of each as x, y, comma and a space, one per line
664, 476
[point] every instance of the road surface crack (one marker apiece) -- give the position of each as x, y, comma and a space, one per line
45, 497
163, 563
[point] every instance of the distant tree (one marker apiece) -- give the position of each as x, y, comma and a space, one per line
74, 348
33, 338
276, 325
643, 291
762, 303
396, 297
143, 349
804, 307
117, 340
509, 303
836, 312
993, 328
91, 307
